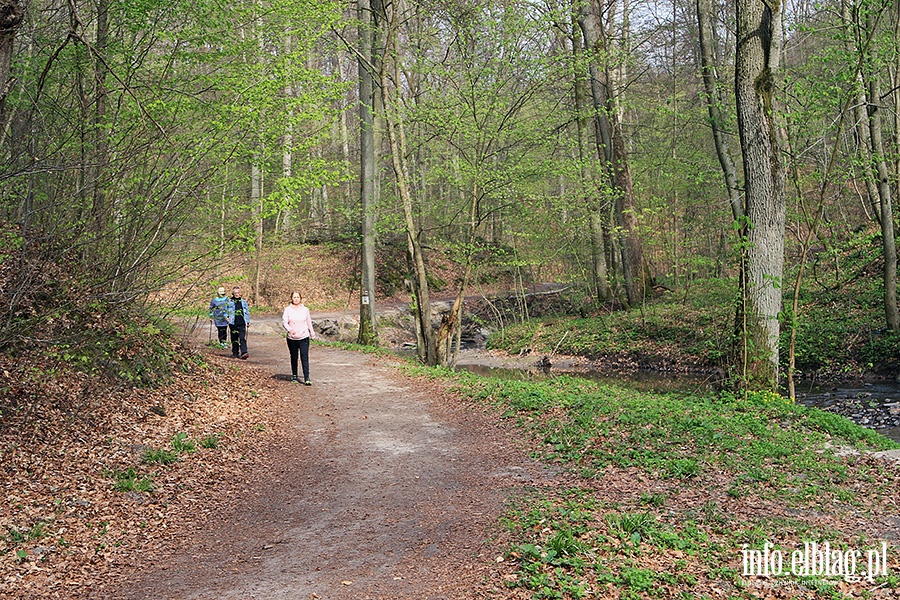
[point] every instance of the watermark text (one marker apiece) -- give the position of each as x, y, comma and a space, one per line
816, 560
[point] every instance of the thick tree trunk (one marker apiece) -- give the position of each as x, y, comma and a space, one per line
598, 258
588, 190
758, 52
634, 269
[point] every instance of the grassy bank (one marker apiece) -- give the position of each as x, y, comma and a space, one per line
664, 494
840, 332
689, 329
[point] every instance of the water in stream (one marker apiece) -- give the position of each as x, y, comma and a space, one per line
872, 405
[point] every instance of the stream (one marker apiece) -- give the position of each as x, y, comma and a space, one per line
873, 405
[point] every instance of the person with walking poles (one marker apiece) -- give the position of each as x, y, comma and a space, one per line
221, 313
239, 324
298, 324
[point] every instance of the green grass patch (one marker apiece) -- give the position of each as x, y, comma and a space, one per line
181, 443
210, 441
130, 480
762, 440
18, 535
352, 346
719, 448
569, 545
159, 456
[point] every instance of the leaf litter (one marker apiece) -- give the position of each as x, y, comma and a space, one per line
67, 441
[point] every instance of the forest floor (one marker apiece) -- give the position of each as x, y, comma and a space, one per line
377, 486
367, 484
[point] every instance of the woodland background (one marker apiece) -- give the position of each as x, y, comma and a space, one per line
712, 183
611, 145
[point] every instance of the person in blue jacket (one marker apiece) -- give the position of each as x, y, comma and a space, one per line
221, 314
239, 324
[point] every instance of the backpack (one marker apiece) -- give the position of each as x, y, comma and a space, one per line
220, 309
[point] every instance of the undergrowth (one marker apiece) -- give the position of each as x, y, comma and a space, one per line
841, 331
691, 327
705, 477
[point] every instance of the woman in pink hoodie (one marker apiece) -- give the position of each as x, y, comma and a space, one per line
298, 324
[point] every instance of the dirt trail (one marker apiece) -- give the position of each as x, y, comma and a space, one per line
381, 488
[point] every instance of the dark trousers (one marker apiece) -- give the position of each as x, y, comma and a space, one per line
223, 333
238, 340
300, 347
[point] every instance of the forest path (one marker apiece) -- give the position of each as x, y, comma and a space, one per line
383, 487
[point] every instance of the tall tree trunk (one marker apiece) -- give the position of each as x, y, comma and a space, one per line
634, 269
885, 213
708, 52
256, 202
613, 152
762, 264
223, 211
588, 190
287, 170
895, 90
871, 150
287, 152
100, 208
895, 87
367, 62
390, 86
344, 134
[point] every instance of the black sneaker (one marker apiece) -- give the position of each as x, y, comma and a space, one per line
307, 382
245, 356
294, 379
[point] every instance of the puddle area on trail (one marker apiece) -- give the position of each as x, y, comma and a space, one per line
873, 405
